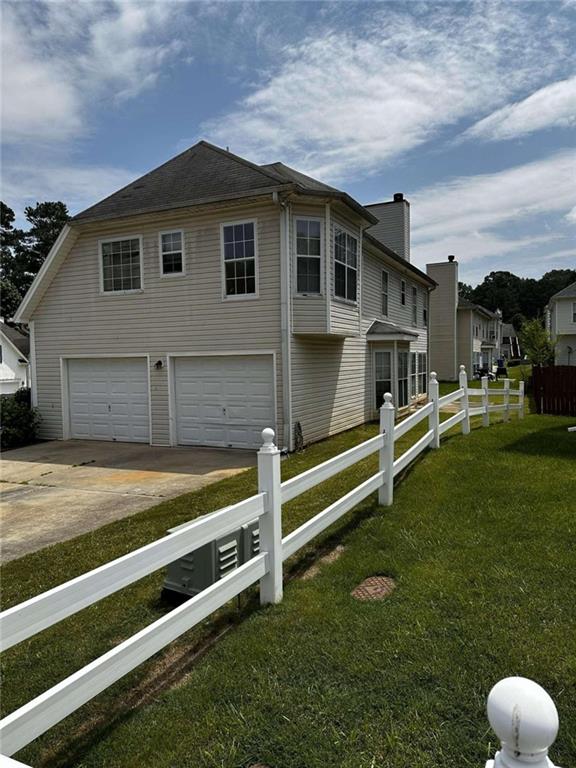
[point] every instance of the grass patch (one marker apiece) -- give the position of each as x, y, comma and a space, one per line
480, 541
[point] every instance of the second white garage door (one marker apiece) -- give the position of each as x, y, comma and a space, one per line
223, 401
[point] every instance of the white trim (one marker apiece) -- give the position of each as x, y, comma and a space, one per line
102, 240
244, 296
286, 323
65, 386
33, 379
171, 359
22, 313
161, 253
320, 220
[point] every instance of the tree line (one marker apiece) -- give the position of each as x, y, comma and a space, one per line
519, 298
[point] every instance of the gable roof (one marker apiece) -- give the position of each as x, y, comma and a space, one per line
566, 293
20, 341
466, 304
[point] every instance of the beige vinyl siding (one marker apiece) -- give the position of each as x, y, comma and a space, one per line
393, 228
465, 340
173, 315
563, 319
442, 320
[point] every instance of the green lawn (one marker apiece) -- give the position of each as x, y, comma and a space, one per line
481, 540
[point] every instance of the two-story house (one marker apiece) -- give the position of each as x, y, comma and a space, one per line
461, 332
214, 297
561, 324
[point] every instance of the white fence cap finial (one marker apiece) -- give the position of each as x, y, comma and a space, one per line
433, 375
524, 718
387, 400
462, 367
268, 436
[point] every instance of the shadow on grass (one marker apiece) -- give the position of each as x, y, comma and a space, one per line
553, 441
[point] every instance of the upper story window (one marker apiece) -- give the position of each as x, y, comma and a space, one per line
121, 262
425, 311
172, 253
385, 293
403, 292
239, 252
308, 255
574, 311
414, 305
345, 265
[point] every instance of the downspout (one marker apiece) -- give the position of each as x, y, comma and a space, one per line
285, 323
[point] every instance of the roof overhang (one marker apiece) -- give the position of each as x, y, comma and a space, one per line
10, 343
383, 331
48, 270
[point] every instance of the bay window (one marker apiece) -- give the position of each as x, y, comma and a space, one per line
402, 379
308, 255
382, 375
345, 265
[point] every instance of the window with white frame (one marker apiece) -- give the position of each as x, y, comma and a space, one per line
382, 375
414, 305
345, 265
574, 311
385, 293
413, 374
425, 312
422, 372
239, 246
121, 265
403, 292
172, 253
403, 364
308, 255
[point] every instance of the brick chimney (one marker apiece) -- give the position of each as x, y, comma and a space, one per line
393, 228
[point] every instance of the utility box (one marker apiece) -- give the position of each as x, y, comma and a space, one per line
192, 573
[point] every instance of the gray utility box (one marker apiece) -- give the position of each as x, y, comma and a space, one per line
194, 572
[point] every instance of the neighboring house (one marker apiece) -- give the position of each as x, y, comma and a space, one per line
510, 342
14, 352
561, 324
461, 332
214, 297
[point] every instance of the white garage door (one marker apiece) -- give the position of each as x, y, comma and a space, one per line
109, 399
224, 401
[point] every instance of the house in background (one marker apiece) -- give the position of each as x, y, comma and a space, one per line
561, 324
14, 366
461, 332
214, 297
510, 342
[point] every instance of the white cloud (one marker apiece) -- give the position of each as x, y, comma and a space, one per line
462, 216
553, 105
58, 58
341, 103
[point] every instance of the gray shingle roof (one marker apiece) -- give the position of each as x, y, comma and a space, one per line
566, 293
382, 328
200, 174
20, 340
466, 304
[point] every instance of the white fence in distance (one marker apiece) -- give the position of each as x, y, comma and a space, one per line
27, 619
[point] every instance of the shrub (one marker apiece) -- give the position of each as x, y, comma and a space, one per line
19, 422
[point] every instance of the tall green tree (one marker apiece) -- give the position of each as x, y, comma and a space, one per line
535, 343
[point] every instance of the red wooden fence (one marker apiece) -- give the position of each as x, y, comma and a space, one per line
554, 389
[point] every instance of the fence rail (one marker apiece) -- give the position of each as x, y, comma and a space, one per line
29, 618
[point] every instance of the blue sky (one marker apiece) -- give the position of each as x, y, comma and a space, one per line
469, 108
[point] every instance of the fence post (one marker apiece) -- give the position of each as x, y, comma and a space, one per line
485, 402
434, 418
463, 384
525, 719
387, 418
506, 399
271, 521
521, 401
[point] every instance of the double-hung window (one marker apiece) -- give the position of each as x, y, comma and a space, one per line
403, 292
414, 305
413, 374
574, 311
385, 293
240, 254
345, 265
402, 379
172, 253
121, 262
308, 255
422, 372
425, 313
382, 375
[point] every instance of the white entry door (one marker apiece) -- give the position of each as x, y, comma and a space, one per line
109, 399
223, 401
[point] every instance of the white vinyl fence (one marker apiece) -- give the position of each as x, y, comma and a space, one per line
27, 619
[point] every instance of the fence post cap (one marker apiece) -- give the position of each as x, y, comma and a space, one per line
524, 718
387, 400
433, 375
268, 436
462, 367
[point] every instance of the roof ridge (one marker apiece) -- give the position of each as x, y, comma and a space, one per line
242, 160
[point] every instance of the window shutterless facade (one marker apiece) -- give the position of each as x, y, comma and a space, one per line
422, 372
308, 255
121, 265
171, 253
414, 305
403, 363
382, 375
240, 257
345, 265
385, 293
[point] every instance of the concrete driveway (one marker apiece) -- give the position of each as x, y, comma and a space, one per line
57, 490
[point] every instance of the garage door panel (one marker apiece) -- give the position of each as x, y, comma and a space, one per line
224, 400
109, 399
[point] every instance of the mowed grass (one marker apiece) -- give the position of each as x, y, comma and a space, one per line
481, 541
